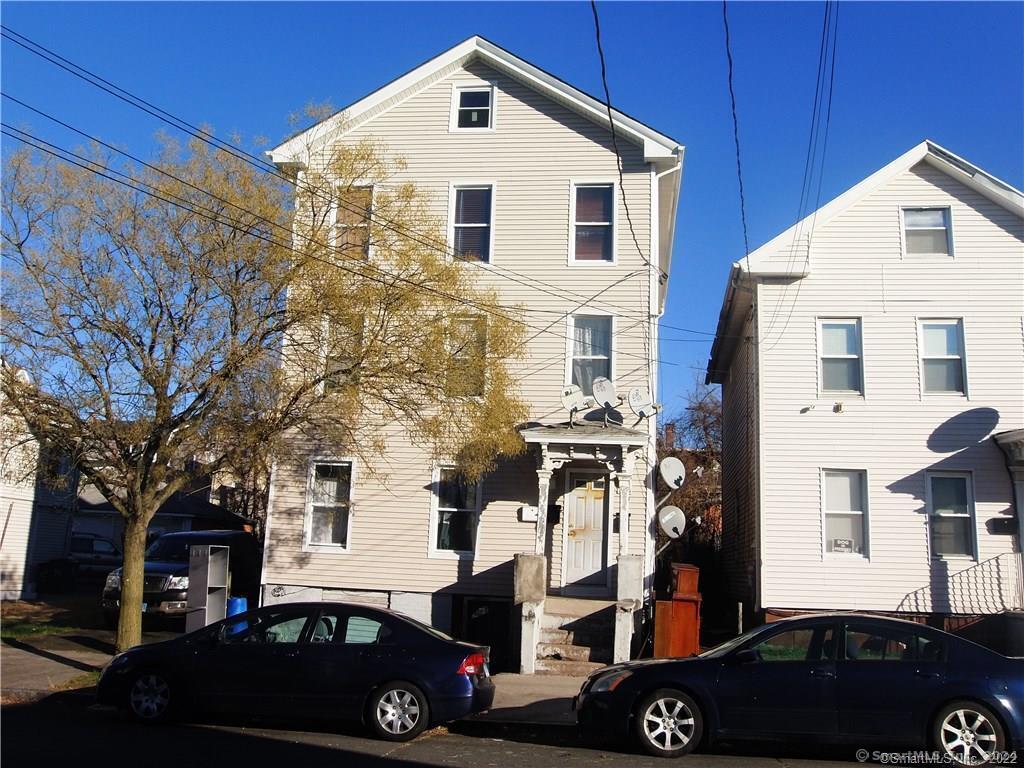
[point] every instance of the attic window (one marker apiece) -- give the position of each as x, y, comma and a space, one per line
474, 109
926, 231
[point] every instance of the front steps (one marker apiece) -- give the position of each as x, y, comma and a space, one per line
576, 636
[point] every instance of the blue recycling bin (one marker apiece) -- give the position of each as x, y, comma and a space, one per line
237, 605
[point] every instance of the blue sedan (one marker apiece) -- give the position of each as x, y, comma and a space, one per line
322, 660
847, 678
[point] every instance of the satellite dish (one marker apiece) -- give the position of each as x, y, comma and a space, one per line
672, 521
23, 377
641, 402
604, 393
672, 472
573, 398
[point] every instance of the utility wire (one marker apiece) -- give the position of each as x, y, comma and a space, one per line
104, 171
736, 133
247, 157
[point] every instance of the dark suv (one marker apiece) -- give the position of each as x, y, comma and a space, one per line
94, 554
165, 583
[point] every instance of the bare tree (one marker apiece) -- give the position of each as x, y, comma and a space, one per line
205, 310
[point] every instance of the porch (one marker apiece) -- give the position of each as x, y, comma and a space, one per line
581, 589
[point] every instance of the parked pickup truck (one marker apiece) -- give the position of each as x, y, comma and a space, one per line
165, 583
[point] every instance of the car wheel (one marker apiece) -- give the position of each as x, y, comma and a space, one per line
968, 733
398, 711
668, 723
149, 697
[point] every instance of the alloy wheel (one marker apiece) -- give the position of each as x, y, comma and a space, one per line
968, 737
668, 723
149, 697
398, 711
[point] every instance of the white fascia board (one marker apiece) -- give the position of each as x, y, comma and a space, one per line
656, 146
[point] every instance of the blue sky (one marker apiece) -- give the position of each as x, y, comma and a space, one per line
952, 72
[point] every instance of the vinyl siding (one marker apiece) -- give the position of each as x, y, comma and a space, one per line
537, 149
894, 432
739, 470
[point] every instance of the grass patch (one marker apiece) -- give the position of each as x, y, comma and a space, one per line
16, 629
84, 680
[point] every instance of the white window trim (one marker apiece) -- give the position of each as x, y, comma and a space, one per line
453, 186
903, 232
570, 342
307, 517
972, 514
573, 184
333, 234
827, 393
325, 329
453, 118
921, 321
865, 513
450, 554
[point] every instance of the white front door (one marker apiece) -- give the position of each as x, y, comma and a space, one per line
585, 529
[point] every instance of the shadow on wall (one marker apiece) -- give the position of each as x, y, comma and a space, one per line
988, 586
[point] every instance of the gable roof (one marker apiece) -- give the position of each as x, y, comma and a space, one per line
787, 256
985, 184
656, 146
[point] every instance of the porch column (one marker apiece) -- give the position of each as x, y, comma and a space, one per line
543, 489
624, 479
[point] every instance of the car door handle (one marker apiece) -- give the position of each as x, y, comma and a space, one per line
928, 675
824, 673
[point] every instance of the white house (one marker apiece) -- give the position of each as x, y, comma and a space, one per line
524, 163
871, 359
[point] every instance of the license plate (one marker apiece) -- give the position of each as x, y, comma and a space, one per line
144, 607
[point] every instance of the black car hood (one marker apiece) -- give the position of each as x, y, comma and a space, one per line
167, 567
642, 663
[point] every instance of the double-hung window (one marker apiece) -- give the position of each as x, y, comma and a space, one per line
841, 356
343, 351
951, 514
926, 232
467, 348
942, 356
457, 512
328, 504
474, 109
352, 214
591, 340
845, 511
472, 223
593, 234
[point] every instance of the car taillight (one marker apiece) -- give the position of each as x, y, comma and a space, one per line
472, 665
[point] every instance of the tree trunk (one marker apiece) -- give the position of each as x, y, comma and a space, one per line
129, 625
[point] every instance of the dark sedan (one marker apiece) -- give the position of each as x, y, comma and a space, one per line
833, 677
330, 661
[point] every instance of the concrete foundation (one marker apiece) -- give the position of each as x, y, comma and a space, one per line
629, 594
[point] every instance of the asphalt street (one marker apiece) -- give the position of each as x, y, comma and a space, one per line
67, 729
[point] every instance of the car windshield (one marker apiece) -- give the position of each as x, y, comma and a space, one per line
728, 645
172, 549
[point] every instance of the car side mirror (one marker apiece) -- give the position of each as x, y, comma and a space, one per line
745, 656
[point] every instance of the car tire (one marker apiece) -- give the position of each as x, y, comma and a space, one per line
668, 723
150, 697
397, 711
968, 733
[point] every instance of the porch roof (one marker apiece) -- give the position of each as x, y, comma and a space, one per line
583, 434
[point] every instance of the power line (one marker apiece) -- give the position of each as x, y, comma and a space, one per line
736, 132
104, 171
247, 157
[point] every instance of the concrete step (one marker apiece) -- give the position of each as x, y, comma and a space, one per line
601, 635
587, 626
576, 606
568, 668
568, 652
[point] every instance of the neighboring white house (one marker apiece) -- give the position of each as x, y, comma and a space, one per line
522, 164
871, 359
37, 495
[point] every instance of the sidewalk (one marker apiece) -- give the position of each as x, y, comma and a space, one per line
33, 667
532, 700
